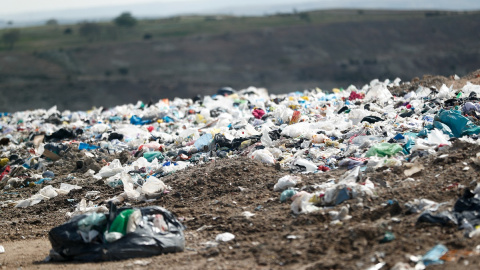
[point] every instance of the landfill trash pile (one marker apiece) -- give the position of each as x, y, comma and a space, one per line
379, 177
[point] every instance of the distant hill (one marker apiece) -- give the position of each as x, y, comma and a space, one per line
157, 9
190, 55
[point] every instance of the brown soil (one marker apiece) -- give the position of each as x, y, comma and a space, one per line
437, 81
210, 198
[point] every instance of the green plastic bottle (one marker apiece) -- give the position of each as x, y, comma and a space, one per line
119, 224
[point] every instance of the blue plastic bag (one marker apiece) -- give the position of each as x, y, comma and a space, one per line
459, 124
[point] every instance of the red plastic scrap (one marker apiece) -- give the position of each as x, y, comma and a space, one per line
323, 168
295, 117
452, 186
258, 113
354, 95
5, 172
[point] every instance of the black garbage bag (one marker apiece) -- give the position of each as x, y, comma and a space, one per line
60, 134
222, 141
275, 134
114, 135
146, 240
466, 209
371, 119
344, 108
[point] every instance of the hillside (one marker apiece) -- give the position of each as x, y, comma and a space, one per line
186, 56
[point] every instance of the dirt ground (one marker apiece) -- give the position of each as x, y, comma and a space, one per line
210, 198
437, 82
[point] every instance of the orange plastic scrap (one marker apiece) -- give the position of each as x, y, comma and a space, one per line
295, 117
454, 254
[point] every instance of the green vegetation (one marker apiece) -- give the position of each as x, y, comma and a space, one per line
125, 28
10, 38
51, 22
125, 20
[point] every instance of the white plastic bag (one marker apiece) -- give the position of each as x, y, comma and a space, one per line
264, 156
286, 182
153, 187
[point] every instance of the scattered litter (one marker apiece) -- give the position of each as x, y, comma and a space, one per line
224, 237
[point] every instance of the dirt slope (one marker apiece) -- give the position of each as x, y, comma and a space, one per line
210, 200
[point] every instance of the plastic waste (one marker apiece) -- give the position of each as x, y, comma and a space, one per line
150, 156
264, 156
302, 203
384, 149
48, 174
145, 240
433, 255
119, 224
371, 119
224, 237
287, 194
295, 117
3, 162
46, 193
258, 113
153, 187
86, 146
341, 215
285, 182
453, 255
413, 169
378, 92
387, 237
114, 168
135, 120
203, 141
265, 139
309, 166
459, 124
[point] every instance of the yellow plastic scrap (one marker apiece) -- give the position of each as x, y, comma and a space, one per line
245, 144
329, 142
336, 90
4, 161
233, 96
215, 131
201, 119
315, 199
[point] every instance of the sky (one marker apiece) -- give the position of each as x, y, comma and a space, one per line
24, 6
22, 10
27, 6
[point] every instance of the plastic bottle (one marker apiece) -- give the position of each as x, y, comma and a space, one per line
120, 222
